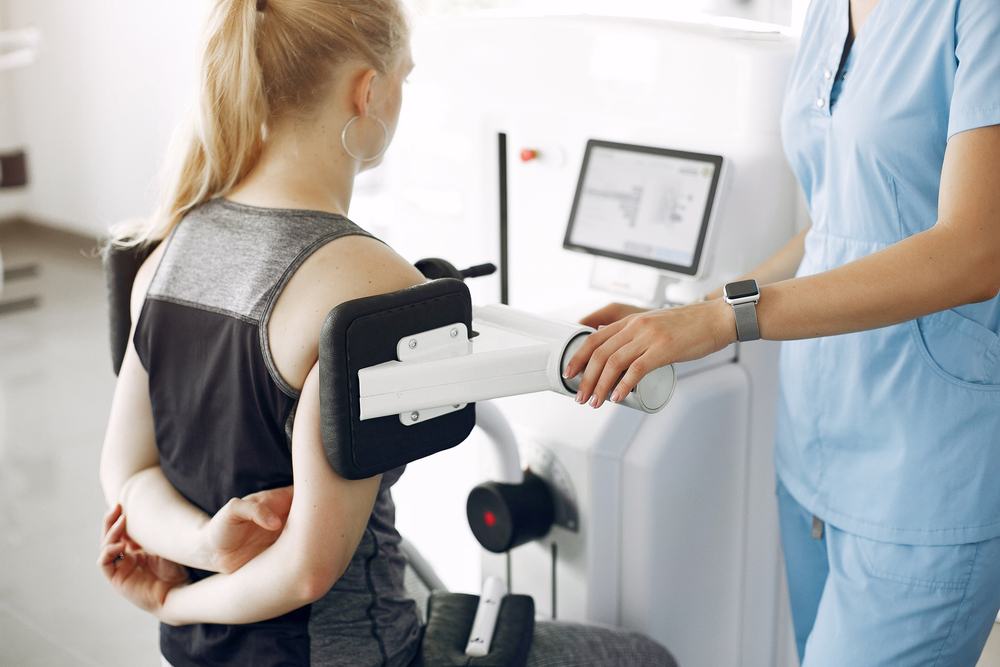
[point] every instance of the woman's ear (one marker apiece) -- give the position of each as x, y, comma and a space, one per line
361, 93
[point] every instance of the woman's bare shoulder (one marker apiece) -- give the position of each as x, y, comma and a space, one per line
348, 268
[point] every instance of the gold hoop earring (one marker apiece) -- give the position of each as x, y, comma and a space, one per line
385, 140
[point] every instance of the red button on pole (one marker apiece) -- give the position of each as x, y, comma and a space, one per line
490, 519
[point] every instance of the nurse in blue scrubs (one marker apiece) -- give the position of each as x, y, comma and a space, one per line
888, 444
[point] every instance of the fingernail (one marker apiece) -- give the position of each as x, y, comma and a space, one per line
593, 401
579, 397
566, 373
273, 521
615, 397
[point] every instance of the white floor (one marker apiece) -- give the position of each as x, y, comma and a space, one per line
55, 390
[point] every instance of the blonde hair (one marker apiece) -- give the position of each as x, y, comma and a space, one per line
257, 65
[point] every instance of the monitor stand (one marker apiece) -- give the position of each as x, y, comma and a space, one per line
643, 285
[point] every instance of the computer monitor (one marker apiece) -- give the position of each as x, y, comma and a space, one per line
644, 205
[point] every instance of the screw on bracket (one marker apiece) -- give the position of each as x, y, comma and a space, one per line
454, 333
414, 416
413, 343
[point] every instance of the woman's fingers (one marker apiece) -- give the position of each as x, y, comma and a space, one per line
241, 509
114, 561
109, 519
279, 500
115, 533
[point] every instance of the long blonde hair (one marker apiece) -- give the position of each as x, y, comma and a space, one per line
257, 64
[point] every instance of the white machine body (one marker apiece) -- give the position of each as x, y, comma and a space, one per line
677, 532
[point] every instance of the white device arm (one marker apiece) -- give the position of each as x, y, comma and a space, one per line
511, 353
491, 421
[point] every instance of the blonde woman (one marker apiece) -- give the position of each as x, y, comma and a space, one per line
216, 412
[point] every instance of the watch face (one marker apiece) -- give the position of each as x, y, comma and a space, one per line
742, 289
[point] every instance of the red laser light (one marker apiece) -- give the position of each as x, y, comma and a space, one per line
490, 519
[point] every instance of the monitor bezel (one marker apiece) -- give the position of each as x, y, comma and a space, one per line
710, 206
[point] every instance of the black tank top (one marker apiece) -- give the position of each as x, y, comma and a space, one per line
223, 421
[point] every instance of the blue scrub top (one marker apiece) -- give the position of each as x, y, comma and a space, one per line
892, 434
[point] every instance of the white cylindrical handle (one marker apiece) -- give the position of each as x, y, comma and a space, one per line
650, 394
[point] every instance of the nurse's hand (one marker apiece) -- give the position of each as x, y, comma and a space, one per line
642, 342
610, 314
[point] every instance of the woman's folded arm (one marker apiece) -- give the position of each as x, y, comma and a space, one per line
324, 527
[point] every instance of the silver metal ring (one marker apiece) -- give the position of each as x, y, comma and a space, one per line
385, 141
118, 557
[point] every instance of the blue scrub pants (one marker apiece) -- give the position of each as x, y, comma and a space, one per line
859, 603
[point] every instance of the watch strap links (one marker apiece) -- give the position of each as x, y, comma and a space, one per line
746, 321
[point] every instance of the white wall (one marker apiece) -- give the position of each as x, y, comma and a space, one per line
97, 109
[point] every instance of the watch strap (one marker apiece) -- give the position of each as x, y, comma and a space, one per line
746, 321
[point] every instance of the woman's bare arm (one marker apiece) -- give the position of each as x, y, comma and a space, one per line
159, 518
328, 514
954, 263
326, 523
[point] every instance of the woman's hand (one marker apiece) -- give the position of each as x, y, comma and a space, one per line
140, 577
645, 341
246, 526
610, 314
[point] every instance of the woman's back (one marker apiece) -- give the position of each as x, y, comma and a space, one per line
223, 419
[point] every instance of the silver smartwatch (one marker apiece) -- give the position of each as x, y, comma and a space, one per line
743, 296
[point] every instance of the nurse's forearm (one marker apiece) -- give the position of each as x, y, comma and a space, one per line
935, 270
163, 521
782, 265
955, 262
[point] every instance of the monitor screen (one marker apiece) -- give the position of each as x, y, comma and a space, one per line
645, 205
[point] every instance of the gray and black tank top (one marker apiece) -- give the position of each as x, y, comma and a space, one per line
223, 421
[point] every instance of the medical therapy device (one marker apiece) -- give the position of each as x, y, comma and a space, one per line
646, 207
637, 161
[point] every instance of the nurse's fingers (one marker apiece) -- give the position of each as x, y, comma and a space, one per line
610, 314
622, 351
581, 360
637, 370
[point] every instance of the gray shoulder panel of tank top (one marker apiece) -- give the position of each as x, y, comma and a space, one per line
231, 258
235, 260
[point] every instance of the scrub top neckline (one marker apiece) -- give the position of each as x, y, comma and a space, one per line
846, 58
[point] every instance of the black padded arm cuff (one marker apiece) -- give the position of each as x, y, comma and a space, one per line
362, 333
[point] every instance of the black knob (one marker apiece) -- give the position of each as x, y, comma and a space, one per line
503, 516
